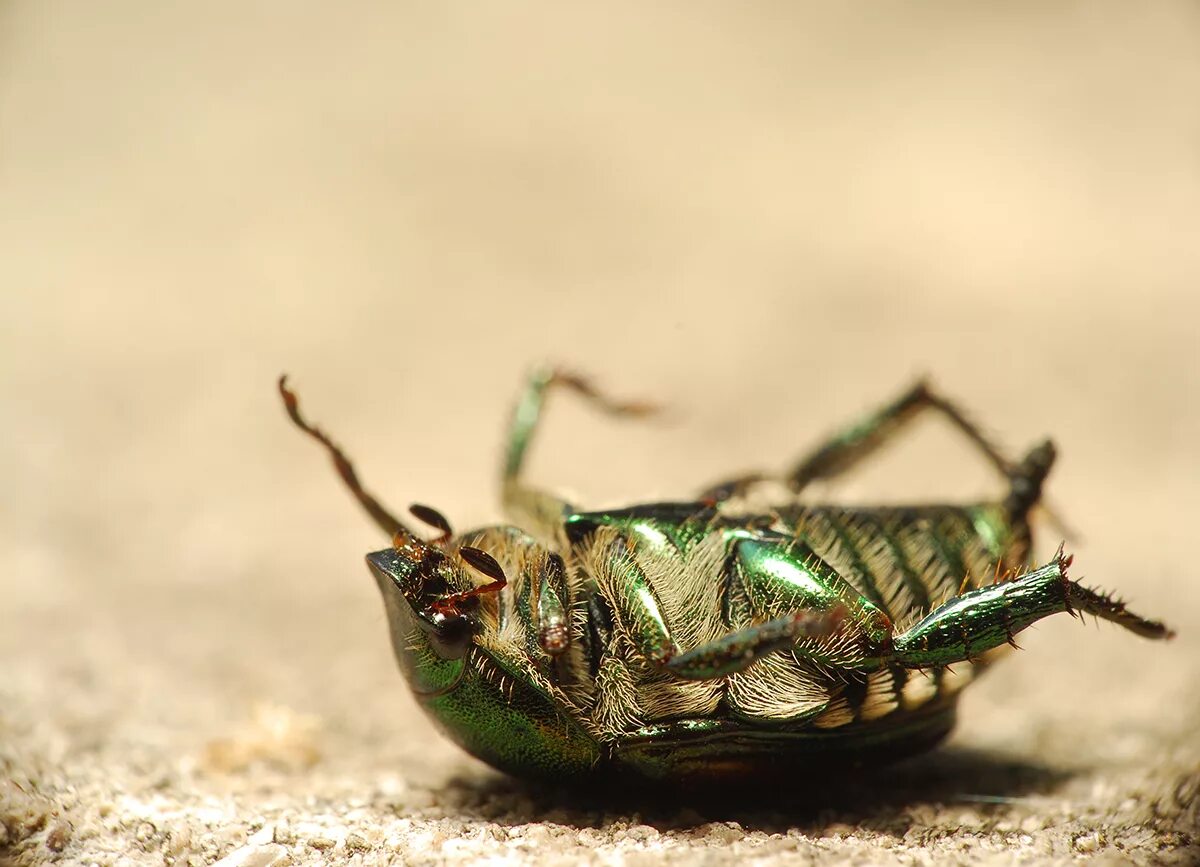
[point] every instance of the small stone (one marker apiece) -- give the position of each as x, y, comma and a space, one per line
589, 837
57, 837
724, 832
324, 844
284, 835
357, 843
147, 835
642, 833
1087, 842
535, 834
254, 856
178, 840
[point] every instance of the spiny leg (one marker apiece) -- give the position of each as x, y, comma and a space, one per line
539, 511
778, 575
379, 514
969, 625
638, 610
739, 650
863, 438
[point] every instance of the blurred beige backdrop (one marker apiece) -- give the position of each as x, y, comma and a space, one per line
769, 215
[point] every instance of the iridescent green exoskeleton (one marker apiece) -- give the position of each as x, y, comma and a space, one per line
711, 638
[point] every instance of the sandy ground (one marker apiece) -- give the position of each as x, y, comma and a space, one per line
770, 218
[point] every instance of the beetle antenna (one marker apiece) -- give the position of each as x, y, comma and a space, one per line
380, 515
482, 562
435, 519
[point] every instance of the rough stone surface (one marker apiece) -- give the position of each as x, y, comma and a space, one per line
769, 216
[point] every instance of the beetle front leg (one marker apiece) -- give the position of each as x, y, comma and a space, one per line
539, 511
966, 626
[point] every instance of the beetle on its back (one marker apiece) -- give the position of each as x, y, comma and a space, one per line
679, 641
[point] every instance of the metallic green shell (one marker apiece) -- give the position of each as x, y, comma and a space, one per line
602, 709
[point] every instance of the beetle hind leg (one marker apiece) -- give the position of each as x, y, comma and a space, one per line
973, 623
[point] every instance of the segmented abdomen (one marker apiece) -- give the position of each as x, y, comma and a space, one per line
906, 561
909, 560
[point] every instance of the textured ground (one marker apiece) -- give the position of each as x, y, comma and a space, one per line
770, 218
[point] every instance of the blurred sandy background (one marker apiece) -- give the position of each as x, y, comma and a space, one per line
769, 215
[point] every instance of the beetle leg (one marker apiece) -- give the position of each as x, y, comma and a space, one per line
860, 439
635, 603
386, 521
968, 625
864, 437
639, 611
485, 564
778, 577
738, 650
553, 626
537, 510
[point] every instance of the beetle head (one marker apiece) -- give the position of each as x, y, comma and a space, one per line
419, 576
433, 618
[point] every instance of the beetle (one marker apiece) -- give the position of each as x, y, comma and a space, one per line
708, 639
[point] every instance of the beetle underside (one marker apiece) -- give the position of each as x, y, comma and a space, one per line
702, 639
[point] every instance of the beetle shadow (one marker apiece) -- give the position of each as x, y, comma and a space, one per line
878, 797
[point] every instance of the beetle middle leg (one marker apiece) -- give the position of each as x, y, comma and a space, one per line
640, 612
539, 511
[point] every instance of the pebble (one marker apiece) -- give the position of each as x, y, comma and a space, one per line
642, 833
57, 837
723, 832
534, 834
147, 835
254, 856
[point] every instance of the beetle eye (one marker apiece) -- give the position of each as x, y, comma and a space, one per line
450, 633
434, 587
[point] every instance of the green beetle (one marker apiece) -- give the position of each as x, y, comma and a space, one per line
709, 639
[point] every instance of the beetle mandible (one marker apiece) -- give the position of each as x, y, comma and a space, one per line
698, 640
